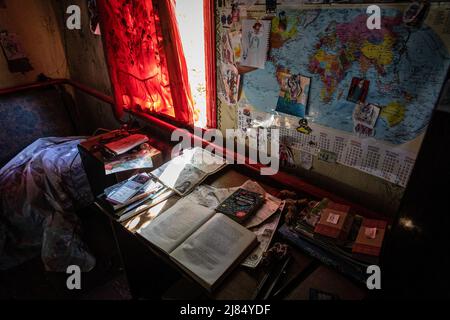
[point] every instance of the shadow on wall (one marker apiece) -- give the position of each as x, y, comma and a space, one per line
29, 116
87, 65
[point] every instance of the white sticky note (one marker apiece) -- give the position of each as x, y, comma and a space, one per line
370, 233
333, 218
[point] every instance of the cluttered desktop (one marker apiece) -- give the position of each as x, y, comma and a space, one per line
224, 150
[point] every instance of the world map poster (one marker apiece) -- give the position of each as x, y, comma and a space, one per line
406, 67
398, 70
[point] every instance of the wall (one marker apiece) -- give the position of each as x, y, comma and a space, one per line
59, 53
35, 24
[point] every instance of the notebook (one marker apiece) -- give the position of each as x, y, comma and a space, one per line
255, 42
206, 244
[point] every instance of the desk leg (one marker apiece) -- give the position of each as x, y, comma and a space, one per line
148, 277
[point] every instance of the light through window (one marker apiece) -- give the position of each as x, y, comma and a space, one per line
190, 18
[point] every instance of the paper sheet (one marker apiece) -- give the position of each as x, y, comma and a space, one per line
269, 207
377, 158
255, 42
264, 233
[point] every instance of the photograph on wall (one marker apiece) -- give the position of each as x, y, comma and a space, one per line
293, 96
255, 42
226, 19
366, 114
358, 90
235, 41
363, 131
286, 156
227, 51
283, 28
230, 77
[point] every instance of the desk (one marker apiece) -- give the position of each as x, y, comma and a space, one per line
153, 275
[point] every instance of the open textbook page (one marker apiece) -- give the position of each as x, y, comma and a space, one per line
214, 248
174, 225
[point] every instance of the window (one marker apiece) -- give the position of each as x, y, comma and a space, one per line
191, 25
158, 59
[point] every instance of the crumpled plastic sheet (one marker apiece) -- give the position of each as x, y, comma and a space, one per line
40, 191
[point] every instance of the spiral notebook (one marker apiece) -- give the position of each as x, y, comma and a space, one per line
255, 42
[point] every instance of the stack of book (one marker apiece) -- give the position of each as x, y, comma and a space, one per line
134, 195
145, 190
330, 233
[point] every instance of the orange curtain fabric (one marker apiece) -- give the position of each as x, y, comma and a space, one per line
145, 57
179, 79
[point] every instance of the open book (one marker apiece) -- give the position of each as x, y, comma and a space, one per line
204, 243
186, 171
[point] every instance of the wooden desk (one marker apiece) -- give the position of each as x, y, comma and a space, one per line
151, 274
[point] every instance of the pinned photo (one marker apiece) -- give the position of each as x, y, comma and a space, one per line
226, 18
235, 41
230, 77
293, 96
304, 127
235, 12
363, 131
366, 114
255, 42
358, 90
327, 156
286, 156
227, 51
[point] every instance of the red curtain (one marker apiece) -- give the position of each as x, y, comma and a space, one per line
145, 57
210, 54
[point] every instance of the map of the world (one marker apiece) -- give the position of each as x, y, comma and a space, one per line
406, 67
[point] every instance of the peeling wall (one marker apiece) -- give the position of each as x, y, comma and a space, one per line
35, 24
86, 63
59, 52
